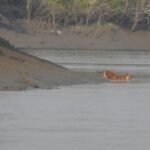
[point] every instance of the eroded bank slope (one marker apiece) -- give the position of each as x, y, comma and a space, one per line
21, 71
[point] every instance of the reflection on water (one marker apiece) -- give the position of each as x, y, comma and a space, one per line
97, 59
136, 63
89, 117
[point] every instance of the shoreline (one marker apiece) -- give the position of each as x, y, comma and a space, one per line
20, 71
122, 40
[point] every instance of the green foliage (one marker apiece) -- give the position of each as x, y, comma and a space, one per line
116, 4
127, 13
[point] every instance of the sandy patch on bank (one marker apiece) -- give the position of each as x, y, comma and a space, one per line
121, 39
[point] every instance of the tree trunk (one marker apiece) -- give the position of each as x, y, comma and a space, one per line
53, 18
126, 6
136, 17
29, 9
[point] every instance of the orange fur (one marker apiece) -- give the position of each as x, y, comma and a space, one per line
110, 75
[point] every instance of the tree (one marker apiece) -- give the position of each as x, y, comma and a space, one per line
52, 8
29, 9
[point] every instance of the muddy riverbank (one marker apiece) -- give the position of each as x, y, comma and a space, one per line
104, 39
22, 71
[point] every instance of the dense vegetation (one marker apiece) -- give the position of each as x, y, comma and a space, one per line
132, 14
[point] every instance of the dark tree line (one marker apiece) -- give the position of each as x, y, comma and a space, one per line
132, 14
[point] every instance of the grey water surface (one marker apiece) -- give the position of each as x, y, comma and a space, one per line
133, 60
107, 116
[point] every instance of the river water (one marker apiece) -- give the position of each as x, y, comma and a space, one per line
108, 116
